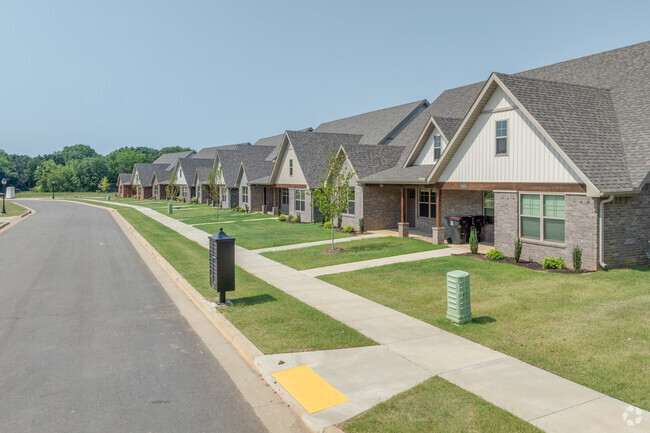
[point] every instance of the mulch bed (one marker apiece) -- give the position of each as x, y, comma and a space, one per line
524, 264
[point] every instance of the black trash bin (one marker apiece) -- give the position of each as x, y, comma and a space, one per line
459, 229
478, 221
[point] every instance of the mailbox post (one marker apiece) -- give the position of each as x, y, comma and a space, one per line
222, 264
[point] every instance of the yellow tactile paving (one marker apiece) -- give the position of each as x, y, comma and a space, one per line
309, 389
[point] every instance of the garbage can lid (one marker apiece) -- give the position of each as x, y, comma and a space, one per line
458, 274
221, 236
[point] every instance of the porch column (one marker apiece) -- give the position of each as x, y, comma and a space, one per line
403, 226
438, 232
275, 210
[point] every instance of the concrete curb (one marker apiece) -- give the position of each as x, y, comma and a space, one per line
8, 224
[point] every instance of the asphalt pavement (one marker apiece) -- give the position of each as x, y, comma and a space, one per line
90, 341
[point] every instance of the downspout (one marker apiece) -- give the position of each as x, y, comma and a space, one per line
601, 217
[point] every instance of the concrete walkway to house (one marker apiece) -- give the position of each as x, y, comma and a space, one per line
236, 221
411, 351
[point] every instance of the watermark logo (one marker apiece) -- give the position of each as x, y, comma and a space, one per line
632, 416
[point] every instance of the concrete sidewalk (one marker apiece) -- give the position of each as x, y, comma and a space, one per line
316, 243
412, 351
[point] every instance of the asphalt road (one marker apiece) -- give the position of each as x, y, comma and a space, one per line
90, 342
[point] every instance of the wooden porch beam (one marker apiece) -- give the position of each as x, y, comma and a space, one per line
513, 186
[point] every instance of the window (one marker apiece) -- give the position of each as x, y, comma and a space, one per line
244, 194
184, 191
291, 167
542, 217
488, 206
155, 189
224, 194
285, 195
427, 202
350, 210
502, 137
121, 189
300, 200
437, 147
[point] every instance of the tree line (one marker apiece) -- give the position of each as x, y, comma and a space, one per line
75, 168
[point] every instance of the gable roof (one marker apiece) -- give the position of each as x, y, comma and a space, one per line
125, 178
161, 176
190, 165
255, 164
367, 159
375, 127
146, 172
170, 158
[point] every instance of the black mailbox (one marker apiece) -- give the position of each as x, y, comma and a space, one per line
222, 264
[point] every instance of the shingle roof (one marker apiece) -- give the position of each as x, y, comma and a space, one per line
146, 171
257, 167
202, 174
125, 178
411, 174
274, 140
374, 126
170, 158
368, 159
190, 165
161, 176
312, 150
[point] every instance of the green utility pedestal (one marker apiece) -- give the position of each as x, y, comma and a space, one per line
170, 209
458, 302
108, 197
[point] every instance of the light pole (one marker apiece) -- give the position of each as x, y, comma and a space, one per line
4, 193
52, 190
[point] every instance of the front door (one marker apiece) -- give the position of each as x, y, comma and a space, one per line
410, 206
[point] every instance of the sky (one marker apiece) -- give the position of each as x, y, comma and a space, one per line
207, 73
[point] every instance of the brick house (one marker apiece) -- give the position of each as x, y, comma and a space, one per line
124, 189
143, 173
255, 191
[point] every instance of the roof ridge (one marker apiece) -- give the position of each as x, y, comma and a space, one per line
564, 83
419, 101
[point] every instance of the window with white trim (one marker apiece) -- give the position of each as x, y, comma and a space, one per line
184, 191
224, 194
155, 189
351, 195
285, 195
291, 167
244, 194
427, 203
502, 137
437, 147
542, 217
300, 200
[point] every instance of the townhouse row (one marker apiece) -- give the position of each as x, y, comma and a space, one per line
558, 156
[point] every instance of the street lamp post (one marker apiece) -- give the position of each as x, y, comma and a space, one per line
52, 190
4, 193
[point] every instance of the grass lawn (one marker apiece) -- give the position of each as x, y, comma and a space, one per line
355, 251
264, 234
437, 406
274, 321
12, 209
593, 329
34, 194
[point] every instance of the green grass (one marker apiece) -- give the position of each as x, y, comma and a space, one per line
12, 209
264, 234
593, 329
34, 194
437, 406
355, 251
274, 321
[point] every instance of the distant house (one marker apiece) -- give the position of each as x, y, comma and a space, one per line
252, 181
124, 189
142, 176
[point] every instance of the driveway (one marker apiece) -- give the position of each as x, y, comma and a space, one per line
90, 341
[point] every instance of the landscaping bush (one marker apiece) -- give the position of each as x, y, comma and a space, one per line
553, 263
517, 250
282, 217
577, 258
348, 229
339, 222
241, 210
299, 217
246, 209
495, 254
360, 225
328, 224
295, 220
473, 241
194, 200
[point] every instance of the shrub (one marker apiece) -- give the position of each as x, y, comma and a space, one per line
295, 220
282, 217
298, 217
289, 218
577, 258
553, 263
246, 209
339, 222
241, 210
360, 225
348, 229
194, 200
495, 254
328, 224
517, 250
473, 241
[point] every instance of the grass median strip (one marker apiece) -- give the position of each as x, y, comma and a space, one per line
437, 406
274, 321
12, 209
593, 329
355, 251
264, 234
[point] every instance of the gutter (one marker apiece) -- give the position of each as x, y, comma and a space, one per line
601, 217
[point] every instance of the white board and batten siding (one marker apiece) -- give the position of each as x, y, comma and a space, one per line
181, 177
426, 156
298, 177
530, 157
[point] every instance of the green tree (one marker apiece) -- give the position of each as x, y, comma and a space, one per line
333, 192
215, 178
88, 172
104, 185
135, 185
78, 151
172, 187
7, 168
123, 159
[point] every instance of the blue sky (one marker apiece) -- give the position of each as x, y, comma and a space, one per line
206, 73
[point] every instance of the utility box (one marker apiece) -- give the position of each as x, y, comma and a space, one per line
170, 208
11, 192
458, 299
222, 264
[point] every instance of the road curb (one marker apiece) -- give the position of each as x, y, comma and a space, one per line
8, 224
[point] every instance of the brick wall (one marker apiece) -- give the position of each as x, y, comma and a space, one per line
581, 228
381, 207
627, 230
